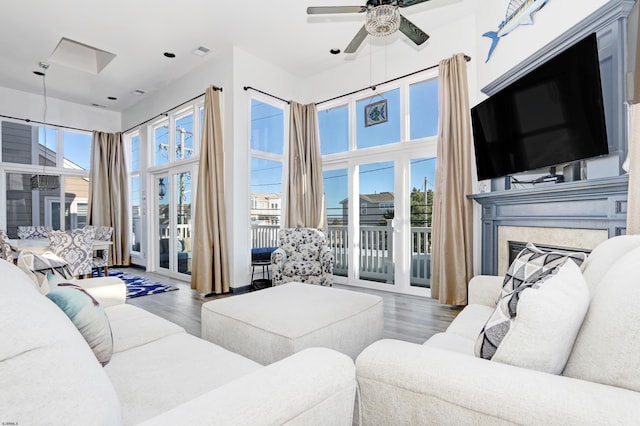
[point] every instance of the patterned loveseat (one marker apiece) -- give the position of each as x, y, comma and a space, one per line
303, 256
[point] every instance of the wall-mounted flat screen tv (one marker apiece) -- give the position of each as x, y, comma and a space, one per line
552, 115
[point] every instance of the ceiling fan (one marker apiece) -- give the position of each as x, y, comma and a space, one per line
383, 18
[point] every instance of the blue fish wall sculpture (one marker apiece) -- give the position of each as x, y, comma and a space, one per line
518, 13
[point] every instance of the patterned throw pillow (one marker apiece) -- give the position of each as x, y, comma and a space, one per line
529, 269
88, 316
550, 312
533, 263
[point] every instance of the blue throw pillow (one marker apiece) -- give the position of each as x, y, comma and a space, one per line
88, 316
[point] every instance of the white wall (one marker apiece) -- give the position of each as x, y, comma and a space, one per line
23, 105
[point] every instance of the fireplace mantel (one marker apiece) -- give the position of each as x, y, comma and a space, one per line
598, 204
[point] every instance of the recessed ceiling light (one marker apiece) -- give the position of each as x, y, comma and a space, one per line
40, 73
112, 98
169, 54
201, 51
334, 51
138, 92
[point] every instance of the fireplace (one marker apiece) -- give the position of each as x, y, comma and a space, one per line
515, 247
577, 215
514, 238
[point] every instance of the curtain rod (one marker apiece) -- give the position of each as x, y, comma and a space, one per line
373, 87
46, 124
167, 111
265, 93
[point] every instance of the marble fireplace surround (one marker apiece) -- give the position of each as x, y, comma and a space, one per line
557, 237
573, 214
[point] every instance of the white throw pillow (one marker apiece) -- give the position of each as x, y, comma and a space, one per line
550, 311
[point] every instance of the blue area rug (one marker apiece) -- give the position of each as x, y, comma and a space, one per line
138, 286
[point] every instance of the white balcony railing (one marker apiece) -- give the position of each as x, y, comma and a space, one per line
376, 250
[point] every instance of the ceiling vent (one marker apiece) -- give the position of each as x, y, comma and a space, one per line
73, 54
200, 51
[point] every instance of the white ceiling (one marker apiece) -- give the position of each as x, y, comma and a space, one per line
138, 32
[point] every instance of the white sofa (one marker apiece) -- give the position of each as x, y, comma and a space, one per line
442, 382
158, 374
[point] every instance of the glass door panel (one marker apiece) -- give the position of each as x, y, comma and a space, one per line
182, 209
174, 221
421, 205
376, 212
336, 192
163, 195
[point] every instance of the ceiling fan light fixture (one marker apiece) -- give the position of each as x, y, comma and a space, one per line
382, 20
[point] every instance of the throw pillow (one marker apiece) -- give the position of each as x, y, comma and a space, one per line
536, 330
37, 266
533, 263
88, 316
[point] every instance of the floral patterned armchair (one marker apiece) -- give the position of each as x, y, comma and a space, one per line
302, 256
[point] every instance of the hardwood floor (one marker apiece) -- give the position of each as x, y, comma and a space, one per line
410, 318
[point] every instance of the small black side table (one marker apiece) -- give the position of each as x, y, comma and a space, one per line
261, 283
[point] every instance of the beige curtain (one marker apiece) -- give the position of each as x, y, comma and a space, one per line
633, 207
210, 266
452, 246
109, 192
305, 204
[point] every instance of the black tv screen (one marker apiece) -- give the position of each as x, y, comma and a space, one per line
552, 115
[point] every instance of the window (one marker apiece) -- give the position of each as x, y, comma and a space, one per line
387, 171
267, 127
334, 130
423, 109
77, 150
267, 147
42, 166
134, 191
161, 143
382, 133
184, 137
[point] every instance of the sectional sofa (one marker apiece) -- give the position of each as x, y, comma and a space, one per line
155, 373
568, 360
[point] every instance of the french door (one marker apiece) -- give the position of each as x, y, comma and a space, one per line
379, 221
173, 236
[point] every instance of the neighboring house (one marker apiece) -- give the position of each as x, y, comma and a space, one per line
374, 208
265, 208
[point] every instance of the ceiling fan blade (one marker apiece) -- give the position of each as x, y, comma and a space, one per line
335, 9
414, 33
357, 41
407, 3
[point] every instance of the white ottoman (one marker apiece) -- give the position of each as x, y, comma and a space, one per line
271, 324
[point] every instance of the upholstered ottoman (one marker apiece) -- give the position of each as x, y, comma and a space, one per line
271, 324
